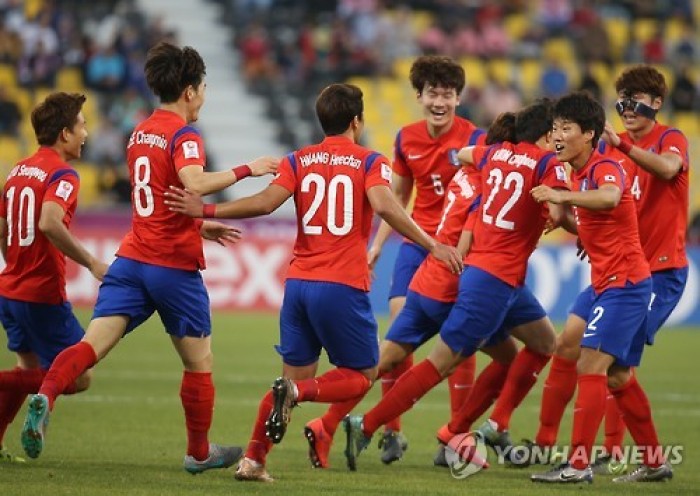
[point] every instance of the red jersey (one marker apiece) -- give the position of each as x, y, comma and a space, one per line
431, 163
334, 217
158, 148
662, 206
610, 237
511, 221
433, 279
36, 269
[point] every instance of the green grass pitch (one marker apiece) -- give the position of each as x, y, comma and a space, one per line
126, 435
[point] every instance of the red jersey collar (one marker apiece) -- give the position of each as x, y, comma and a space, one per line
48, 151
338, 139
164, 112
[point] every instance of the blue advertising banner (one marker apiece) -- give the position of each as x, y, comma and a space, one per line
556, 276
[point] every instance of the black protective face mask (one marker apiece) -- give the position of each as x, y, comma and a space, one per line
638, 108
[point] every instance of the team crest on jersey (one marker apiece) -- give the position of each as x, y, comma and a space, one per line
452, 157
64, 190
609, 178
560, 172
190, 149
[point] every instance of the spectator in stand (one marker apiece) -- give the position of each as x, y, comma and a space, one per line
106, 70
654, 50
256, 48
554, 80
589, 83
684, 95
38, 68
10, 115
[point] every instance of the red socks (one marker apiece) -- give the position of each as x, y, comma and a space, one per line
558, 390
197, 395
336, 385
336, 413
27, 381
635, 408
260, 445
588, 415
10, 403
66, 368
486, 389
614, 427
521, 377
408, 389
460, 383
388, 380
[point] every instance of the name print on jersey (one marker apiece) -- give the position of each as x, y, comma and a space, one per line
141, 138
517, 159
29, 172
326, 158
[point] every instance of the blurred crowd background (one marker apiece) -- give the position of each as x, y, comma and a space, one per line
284, 51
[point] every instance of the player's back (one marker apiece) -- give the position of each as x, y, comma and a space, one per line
157, 149
662, 205
511, 220
432, 162
433, 279
334, 215
35, 269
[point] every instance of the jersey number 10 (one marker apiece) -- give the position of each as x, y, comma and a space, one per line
25, 213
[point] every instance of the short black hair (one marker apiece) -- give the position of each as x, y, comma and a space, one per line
534, 121
502, 129
170, 69
57, 112
642, 79
337, 105
437, 71
581, 108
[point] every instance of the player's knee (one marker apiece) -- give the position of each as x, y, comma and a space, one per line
544, 343
83, 382
203, 363
618, 377
567, 348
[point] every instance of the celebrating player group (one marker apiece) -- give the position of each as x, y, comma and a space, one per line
482, 200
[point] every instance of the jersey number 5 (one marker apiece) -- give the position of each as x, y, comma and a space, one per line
25, 213
329, 194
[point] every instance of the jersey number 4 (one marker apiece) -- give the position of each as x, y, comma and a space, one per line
330, 194
513, 181
24, 224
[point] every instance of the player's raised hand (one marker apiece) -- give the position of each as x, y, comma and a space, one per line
264, 165
544, 193
98, 269
184, 201
449, 256
221, 233
610, 136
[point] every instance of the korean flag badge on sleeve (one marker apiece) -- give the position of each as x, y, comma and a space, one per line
190, 149
64, 190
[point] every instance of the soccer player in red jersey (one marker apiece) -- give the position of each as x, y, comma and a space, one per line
36, 209
158, 263
605, 219
425, 156
491, 288
336, 185
657, 165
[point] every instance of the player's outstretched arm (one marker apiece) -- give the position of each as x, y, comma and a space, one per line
604, 198
402, 187
466, 155
664, 166
191, 204
52, 226
203, 183
385, 205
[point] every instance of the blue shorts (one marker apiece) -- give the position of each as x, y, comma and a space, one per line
583, 303
485, 304
526, 309
617, 322
667, 289
408, 260
138, 289
328, 315
419, 320
39, 328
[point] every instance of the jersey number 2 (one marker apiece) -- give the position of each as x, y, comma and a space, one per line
320, 193
25, 214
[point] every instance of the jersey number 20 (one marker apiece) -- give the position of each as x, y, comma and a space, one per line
330, 193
